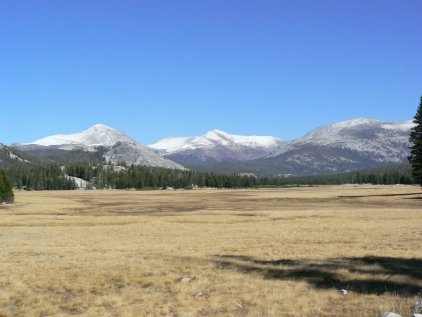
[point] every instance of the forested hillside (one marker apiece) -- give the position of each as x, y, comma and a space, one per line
139, 177
53, 176
38, 176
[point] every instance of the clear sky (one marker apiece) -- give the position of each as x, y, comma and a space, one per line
175, 68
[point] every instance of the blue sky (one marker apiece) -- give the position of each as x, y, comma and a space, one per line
170, 68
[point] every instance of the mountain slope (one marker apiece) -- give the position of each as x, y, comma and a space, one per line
11, 155
217, 146
137, 154
380, 141
105, 143
339, 147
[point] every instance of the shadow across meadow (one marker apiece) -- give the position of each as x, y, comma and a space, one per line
365, 275
381, 195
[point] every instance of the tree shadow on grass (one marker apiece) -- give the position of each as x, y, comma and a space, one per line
365, 275
379, 195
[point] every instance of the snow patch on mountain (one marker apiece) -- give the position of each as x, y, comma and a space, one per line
212, 139
403, 125
15, 157
6, 152
250, 141
97, 135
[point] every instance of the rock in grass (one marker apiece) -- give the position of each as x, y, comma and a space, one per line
343, 292
417, 308
185, 279
389, 314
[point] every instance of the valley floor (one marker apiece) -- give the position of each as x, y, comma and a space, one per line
275, 252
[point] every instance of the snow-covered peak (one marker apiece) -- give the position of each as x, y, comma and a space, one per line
386, 141
337, 129
402, 125
354, 122
212, 139
172, 144
217, 135
97, 135
120, 147
101, 126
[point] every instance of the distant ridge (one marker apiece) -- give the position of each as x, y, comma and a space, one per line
334, 148
339, 147
217, 146
116, 147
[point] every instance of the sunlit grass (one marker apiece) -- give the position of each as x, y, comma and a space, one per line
280, 252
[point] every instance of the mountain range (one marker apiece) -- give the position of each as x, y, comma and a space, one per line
339, 147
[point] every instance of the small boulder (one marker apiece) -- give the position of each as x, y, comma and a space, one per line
389, 314
417, 308
185, 279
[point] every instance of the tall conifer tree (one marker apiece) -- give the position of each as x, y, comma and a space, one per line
6, 191
415, 140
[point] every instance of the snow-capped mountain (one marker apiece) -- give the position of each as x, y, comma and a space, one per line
217, 146
334, 148
342, 147
97, 135
116, 146
374, 139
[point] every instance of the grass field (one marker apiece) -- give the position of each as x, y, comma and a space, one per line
281, 252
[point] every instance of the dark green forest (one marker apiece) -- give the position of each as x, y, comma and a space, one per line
53, 176
388, 175
38, 176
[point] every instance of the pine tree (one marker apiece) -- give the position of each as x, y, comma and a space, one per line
6, 190
415, 140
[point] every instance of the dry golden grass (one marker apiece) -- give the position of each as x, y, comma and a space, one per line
284, 252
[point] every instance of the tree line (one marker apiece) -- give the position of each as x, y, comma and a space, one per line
388, 175
32, 176
102, 176
142, 177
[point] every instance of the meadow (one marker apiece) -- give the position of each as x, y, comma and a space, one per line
258, 252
